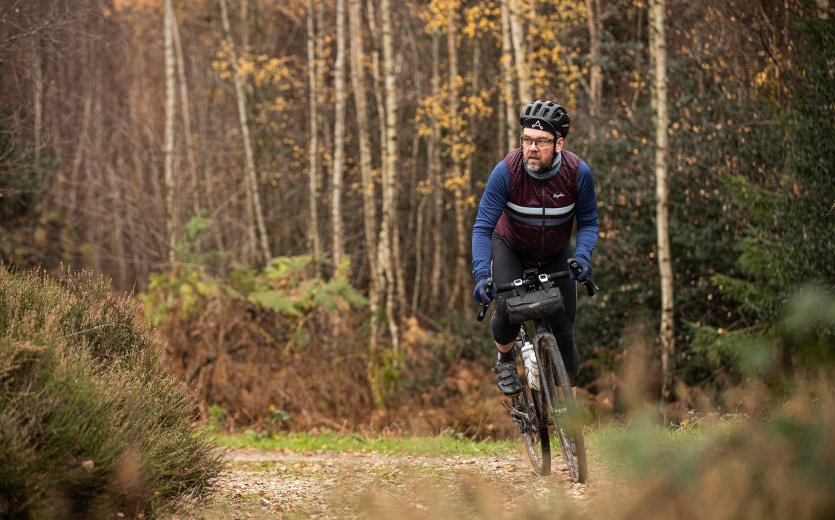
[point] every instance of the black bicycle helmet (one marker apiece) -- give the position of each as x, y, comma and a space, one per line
554, 118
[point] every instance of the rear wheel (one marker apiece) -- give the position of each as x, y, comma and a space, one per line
528, 405
562, 408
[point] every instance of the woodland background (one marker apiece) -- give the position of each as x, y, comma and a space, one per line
289, 187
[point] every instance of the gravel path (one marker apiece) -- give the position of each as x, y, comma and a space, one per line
374, 485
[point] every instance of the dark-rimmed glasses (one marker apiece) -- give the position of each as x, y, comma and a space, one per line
543, 142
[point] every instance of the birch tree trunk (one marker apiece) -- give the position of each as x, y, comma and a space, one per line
186, 111
595, 69
95, 167
520, 50
37, 98
74, 200
338, 137
313, 140
389, 178
457, 179
507, 78
377, 75
468, 174
118, 222
250, 158
420, 243
471, 120
244, 25
368, 199
658, 51
437, 189
413, 242
168, 150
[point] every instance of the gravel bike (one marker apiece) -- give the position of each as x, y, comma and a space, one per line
546, 398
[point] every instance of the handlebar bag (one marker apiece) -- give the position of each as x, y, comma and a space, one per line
535, 304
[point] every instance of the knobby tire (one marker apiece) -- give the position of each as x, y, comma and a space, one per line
535, 430
553, 375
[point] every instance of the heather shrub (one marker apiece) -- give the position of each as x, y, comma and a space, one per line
90, 423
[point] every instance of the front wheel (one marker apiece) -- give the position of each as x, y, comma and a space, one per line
562, 408
528, 406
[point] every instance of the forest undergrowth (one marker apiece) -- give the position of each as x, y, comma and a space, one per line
91, 425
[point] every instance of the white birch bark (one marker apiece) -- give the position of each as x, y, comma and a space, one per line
251, 174
389, 176
658, 51
520, 50
368, 199
434, 152
456, 174
595, 69
168, 148
507, 78
338, 137
313, 139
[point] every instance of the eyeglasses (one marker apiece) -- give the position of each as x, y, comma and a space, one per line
526, 141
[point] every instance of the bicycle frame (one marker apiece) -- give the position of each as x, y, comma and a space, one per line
535, 409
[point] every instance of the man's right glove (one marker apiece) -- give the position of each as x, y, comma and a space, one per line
481, 293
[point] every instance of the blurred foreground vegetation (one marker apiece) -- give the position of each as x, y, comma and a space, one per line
91, 425
733, 468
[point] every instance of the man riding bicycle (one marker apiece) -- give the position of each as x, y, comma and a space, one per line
525, 219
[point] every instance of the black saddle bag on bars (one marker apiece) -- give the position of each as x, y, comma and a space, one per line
535, 304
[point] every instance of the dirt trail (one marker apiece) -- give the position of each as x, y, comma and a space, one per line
374, 485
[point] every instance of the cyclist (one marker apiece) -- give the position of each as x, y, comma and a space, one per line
525, 219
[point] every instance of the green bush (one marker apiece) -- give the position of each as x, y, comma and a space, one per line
90, 424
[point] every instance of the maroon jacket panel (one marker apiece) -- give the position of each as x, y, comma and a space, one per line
539, 215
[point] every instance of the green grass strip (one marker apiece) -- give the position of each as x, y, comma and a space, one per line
327, 441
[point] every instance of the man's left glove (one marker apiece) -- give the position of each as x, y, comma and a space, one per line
580, 269
481, 293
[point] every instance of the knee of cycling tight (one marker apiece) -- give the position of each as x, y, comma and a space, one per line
504, 347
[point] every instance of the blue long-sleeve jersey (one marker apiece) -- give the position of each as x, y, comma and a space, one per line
541, 211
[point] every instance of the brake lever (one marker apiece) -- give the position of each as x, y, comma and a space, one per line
483, 311
591, 287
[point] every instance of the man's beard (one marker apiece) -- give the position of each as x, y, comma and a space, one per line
541, 167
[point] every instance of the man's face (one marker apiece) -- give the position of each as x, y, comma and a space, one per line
540, 159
